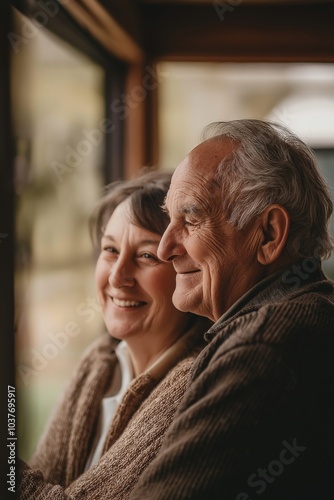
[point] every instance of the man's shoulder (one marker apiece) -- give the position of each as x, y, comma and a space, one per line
304, 316
276, 319
294, 335
291, 325
310, 306
311, 302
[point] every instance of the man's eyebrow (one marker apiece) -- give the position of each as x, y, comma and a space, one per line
189, 208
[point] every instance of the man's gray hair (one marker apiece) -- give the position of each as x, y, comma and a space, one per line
271, 165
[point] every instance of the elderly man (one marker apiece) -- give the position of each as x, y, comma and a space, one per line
248, 229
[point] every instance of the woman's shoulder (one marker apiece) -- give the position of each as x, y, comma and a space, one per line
101, 349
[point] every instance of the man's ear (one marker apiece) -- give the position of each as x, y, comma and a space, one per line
275, 229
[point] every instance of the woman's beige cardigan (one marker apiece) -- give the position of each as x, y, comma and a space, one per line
134, 437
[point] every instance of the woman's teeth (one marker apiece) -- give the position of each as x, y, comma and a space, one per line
126, 303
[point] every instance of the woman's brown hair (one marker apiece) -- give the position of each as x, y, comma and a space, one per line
145, 194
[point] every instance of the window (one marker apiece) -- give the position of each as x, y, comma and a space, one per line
61, 125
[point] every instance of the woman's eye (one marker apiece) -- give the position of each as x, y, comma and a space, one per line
109, 250
148, 256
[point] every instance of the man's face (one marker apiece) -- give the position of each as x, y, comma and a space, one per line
215, 263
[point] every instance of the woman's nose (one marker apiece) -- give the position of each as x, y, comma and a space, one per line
120, 276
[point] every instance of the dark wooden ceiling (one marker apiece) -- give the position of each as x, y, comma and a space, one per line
212, 30
261, 31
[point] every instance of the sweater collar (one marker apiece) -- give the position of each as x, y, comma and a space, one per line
188, 343
285, 284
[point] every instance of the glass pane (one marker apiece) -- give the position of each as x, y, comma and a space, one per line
300, 96
59, 127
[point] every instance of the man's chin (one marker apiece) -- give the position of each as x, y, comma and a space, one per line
183, 302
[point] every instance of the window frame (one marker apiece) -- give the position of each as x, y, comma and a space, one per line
68, 30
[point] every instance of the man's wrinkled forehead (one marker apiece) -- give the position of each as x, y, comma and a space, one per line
190, 190
195, 176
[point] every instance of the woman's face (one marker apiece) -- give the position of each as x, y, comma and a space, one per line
134, 287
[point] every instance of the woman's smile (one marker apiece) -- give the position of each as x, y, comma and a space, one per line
127, 303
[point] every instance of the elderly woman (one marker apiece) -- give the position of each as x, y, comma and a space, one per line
115, 412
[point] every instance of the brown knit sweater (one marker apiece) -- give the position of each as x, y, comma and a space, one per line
257, 420
135, 435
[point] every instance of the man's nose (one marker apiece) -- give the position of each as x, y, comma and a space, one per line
169, 246
121, 274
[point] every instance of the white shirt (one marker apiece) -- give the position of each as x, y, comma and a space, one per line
109, 405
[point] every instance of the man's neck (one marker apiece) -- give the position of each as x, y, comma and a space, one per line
281, 285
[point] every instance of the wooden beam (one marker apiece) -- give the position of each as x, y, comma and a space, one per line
106, 30
127, 15
141, 132
244, 33
135, 132
231, 2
